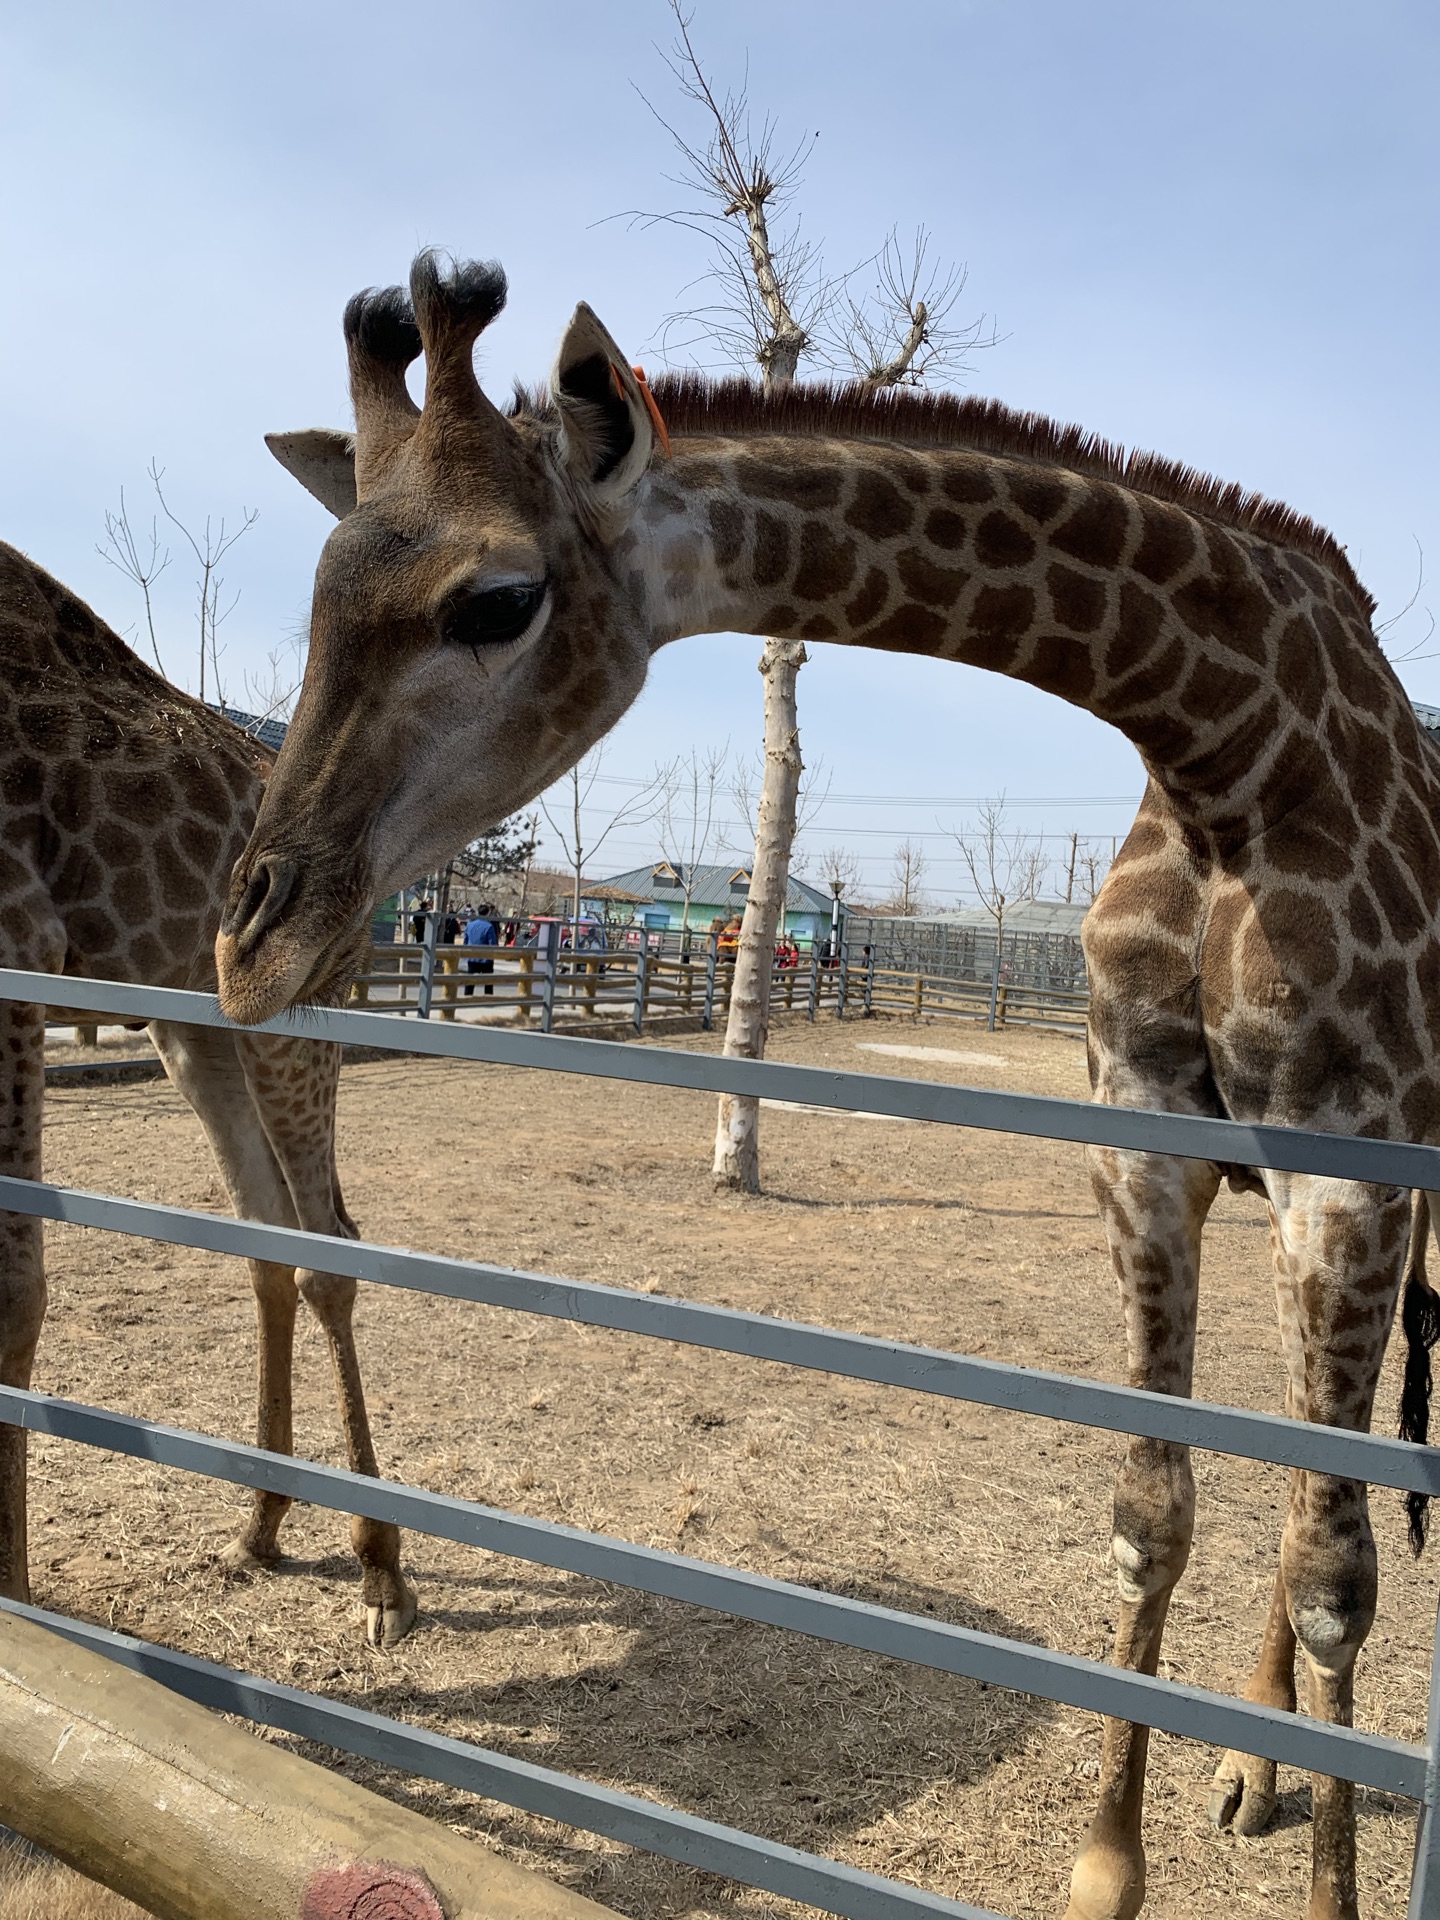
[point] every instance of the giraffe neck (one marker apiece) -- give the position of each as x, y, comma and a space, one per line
1219, 653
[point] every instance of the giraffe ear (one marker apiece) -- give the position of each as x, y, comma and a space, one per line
323, 461
606, 435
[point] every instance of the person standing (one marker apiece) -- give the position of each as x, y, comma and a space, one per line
480, 934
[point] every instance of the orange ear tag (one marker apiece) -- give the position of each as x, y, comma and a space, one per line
652, 406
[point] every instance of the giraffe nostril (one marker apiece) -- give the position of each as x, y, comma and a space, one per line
268, 892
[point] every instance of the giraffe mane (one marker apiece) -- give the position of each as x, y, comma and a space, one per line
694, 404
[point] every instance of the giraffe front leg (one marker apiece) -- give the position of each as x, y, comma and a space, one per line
1242, 1793
1153, 1210
390, 1603
258, 1544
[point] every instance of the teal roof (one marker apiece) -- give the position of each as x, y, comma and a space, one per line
712, 886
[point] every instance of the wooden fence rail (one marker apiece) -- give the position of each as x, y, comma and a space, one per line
194, 1819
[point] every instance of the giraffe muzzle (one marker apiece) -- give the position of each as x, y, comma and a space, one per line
267, 893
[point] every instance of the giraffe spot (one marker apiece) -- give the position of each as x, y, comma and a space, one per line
115, 844
923, 580
74, 616
46, 725
964, 480
1287, 924
908, 629
811, 486
200, 844
177, 935
1167, 544
1214, 688
770, 562
1359, 752
818, 627
176, 880
1300, 668
1380, 993
877, 507
827, 565
1062, 666
1095, 532
910, 470
134, 897
1359, 670
71, 797
80, 876
140, 798
1002, 542
727, 530
999, 619
90, 932
22, 781
870, 601
945, 528
1420, 1109
147, 956
1404, 911
780, 620
1225, 601
207, 794
1150, 684
666, 501
1168, 899
1305, 849
1076, 599
1037, 496
1227, 761
1142, 615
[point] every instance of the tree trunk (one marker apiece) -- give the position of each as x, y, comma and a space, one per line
737, 1135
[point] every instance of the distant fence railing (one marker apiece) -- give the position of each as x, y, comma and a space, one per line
649, 984
1219, 1719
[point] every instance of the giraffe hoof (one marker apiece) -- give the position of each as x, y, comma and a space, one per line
242, 1556
1242, 1798
387, 1626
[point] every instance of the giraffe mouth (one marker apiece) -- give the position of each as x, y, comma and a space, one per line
284, 943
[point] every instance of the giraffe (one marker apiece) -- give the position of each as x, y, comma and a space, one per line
1265, 946
123, 804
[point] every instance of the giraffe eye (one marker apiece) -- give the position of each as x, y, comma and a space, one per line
491, 616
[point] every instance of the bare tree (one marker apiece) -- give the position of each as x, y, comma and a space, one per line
840, 870
688, 827
907, 876
1006, 866
1086, 865
271, 694
769, 303
581, 841
898, 333
140, 559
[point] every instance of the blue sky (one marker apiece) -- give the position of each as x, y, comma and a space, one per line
1203, 228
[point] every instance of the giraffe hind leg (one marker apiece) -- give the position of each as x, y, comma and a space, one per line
1153, 1209
22, 1268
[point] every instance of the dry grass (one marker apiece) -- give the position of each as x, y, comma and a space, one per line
978, 1242
33, 1887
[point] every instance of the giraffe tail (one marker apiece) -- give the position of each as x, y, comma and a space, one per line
1420, 1317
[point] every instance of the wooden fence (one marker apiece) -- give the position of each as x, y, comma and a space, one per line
636, 988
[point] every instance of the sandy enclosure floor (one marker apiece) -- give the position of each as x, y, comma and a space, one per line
978, 1242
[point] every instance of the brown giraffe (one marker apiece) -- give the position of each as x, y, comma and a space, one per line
1264, 948
123, 804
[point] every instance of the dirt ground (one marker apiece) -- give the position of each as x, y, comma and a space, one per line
978, 1242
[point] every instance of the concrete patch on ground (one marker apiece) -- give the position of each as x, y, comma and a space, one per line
936, 1053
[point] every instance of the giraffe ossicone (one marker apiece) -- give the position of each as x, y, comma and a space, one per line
1265, 947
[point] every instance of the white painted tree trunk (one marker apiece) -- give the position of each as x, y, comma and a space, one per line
737, 1134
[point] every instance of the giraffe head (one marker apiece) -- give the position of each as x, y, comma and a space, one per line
470, 636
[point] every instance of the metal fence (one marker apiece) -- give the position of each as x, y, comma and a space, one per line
1196, 1713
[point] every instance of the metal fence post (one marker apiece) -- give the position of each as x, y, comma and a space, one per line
642, 981
434, 920
842, 987
869, 982
1425, 1874
814, 976
549, 944
712, 948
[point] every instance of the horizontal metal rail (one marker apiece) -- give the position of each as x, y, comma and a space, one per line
1218, 1719
756, 1862
757, 1336
1191, 1136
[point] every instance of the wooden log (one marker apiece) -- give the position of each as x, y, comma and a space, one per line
196, 1819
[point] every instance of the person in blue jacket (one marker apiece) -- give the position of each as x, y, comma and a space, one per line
481, 933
